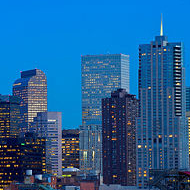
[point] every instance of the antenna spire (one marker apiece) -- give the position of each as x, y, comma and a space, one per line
161, 28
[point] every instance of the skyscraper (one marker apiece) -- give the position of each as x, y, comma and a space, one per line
119, 114
9, 116
32, 89
162, 133
70, 148
49, 126
101, 74
188, 112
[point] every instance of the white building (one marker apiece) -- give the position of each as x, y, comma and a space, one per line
49, 125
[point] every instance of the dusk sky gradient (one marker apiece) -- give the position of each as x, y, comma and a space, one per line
52, 36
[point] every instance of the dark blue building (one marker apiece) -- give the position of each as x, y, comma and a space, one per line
162, 134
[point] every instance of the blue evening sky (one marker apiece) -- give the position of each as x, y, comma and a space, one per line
52, 36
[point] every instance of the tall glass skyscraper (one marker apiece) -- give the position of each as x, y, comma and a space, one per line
32, 89
162, 133
101, 74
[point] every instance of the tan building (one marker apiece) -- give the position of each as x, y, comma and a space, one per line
32, 89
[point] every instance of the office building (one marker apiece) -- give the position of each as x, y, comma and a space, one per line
101, 74
90, 149
9, 116
18, 155
162, 133
188, 112
49, 125
70, 148
119, 114
32, 89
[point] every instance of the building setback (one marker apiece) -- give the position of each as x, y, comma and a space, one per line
101, 74
119, 138
32, 89
9, 116
162, 133
70, 148
49, 125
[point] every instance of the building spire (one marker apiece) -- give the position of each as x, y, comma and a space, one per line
161, 28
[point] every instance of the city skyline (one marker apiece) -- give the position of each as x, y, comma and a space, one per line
95, 98
53, 38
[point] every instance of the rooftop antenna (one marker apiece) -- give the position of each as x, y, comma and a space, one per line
161, 28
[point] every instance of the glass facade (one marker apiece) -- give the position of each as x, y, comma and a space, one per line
32, 89
90, 149
162, 133
101, 74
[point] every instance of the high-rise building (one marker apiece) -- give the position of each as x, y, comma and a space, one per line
188, 99
188, 123
119, 138
18, 155
70, 148
101, 74
9, 116
188, 112
162, 133
90, 149
49, 126
32, 89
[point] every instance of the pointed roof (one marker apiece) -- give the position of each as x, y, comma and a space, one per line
161, 27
